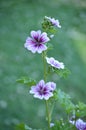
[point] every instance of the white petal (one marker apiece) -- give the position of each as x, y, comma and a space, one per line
35, 34
41, 83
38, 96
41, 48
47, 96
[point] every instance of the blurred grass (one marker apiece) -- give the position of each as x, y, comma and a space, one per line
17, 19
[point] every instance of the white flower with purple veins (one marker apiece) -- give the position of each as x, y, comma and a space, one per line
42, 90
80, 124
53, 21
54, 63
35, 43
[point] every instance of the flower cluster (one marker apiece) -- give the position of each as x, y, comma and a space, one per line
43, 90
37, 43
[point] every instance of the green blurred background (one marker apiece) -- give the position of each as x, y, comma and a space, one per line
17, 19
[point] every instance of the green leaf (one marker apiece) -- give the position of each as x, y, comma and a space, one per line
22, 126
65, 100
52, 30
81, 110
27, 128
62, 72
26, 81
63, 125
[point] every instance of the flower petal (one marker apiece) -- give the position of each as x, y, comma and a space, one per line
37, 95
41, 83
48, 95
41, 48
35, 34
52, 86
32, 48
44, 38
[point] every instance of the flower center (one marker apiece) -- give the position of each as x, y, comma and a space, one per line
38, 40
42, 90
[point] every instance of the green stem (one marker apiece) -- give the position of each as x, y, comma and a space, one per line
52, 107
48, 114
44, 64
45, 78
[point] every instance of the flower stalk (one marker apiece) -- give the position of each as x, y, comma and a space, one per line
45, 78
44, 65
48, 113
43, 90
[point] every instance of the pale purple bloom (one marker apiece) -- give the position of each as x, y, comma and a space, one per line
35, 43
80, 124
51, 124
43, 90
55, 63
53, 21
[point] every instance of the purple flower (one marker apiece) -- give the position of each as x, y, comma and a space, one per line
80, 124
42, 90
35, 43
55, 63
53, 21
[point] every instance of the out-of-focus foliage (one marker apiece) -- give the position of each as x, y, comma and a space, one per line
17, 19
